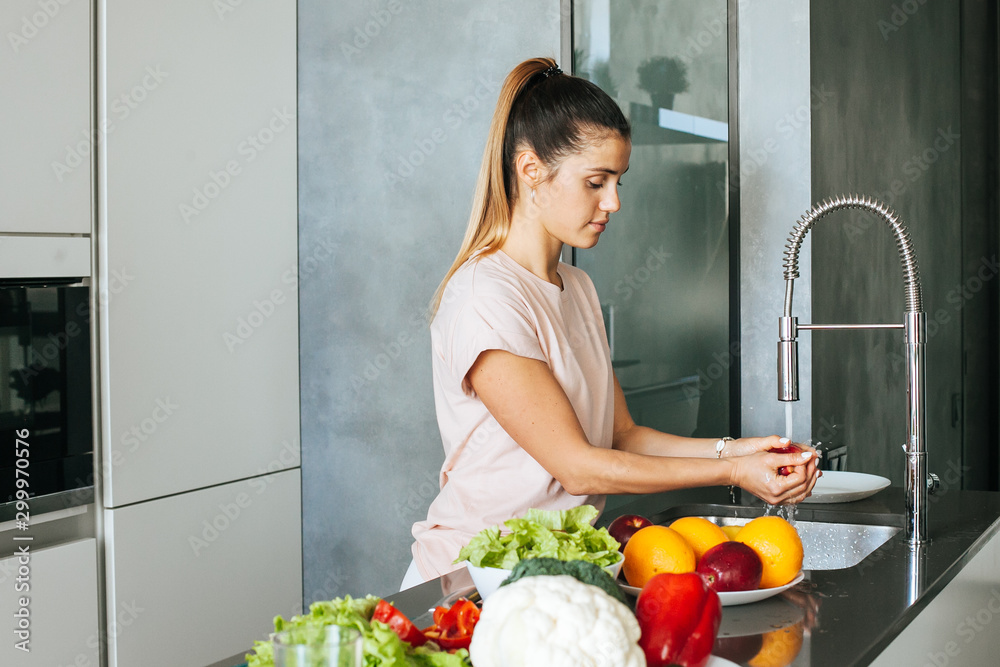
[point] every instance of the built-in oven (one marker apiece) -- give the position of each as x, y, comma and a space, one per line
45, 386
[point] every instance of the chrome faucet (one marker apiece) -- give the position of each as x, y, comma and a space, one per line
914, 326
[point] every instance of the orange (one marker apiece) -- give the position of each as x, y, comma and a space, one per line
656, 549
731, 531
777, 543
700, 533
779, 647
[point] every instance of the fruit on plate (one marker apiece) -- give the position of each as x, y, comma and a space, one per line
625, 526
787, 449
654, 550
731, 566
679, 617
778, 544
700, 533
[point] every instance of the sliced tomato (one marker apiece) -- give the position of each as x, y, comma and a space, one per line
399, 623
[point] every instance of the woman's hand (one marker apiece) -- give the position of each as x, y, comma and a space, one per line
747, 446
757, 470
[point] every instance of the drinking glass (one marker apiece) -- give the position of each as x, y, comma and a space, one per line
332, 646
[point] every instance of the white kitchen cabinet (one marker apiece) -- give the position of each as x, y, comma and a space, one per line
62, 606
955, 628
198, 231
45, 122
199, 576
44, 256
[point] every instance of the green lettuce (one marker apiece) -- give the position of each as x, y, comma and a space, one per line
563, 534
382, 646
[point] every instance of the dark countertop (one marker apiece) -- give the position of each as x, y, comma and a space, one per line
842, 617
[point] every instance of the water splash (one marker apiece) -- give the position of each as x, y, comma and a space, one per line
786, 512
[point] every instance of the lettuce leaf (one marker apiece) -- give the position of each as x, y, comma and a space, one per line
563, 534
382, 646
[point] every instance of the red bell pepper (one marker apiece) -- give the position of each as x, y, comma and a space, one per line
399, 623
679, 617
453, 626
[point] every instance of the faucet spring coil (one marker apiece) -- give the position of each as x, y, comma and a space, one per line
911, 275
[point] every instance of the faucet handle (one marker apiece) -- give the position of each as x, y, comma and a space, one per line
933, 482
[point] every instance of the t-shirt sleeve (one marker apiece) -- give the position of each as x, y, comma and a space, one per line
490, 324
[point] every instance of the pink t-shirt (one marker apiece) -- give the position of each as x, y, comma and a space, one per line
493, 303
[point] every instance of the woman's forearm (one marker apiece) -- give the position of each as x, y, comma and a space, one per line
612, 471
644, 440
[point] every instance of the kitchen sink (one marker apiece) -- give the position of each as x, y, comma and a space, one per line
831, 540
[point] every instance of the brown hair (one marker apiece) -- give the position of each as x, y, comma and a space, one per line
546, 111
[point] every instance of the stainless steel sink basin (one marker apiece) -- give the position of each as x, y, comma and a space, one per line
830, 540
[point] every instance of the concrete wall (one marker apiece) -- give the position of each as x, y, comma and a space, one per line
395, 99
889, 126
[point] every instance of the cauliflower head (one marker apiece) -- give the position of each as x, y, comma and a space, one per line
555, 621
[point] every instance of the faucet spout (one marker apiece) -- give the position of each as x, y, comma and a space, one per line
915, 336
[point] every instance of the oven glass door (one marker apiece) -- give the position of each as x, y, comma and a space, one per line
45, 387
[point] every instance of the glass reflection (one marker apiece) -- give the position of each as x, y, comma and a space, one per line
662, 268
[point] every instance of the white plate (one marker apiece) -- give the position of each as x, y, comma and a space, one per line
844, 487
732, 598
488, 579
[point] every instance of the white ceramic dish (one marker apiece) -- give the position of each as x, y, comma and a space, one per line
837, 486
488, 579
734, 598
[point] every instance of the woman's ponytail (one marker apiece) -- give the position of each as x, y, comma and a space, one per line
539, 108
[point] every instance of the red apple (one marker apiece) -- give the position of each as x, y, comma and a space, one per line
731, 566
787, 449
625, 526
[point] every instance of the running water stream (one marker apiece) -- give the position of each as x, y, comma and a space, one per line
787, 512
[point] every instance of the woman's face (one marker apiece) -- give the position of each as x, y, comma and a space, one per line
574, 205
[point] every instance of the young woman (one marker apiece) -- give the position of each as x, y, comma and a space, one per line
530, 412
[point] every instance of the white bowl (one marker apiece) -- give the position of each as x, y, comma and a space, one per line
488, 579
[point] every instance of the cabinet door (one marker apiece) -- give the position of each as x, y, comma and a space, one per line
199, 576
45, 128
198, 247
61, 609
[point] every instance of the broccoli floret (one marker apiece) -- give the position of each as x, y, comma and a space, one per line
582, 570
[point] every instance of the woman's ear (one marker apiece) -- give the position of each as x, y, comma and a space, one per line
529, 169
